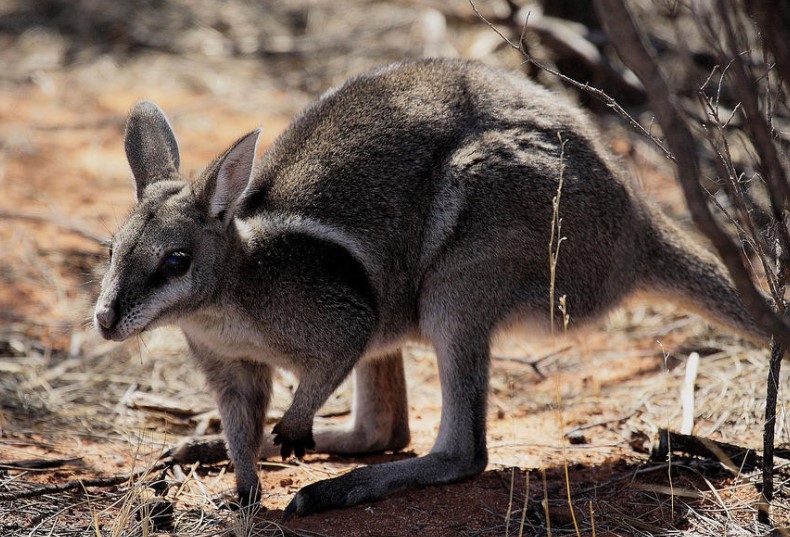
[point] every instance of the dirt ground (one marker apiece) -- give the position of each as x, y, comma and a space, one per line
83, 422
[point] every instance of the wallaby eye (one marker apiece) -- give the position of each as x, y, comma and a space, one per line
175, 264
109, 251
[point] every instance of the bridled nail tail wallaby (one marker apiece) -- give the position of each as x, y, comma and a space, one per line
414, 201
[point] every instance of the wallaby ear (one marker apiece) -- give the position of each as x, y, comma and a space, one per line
151, 147
233, 176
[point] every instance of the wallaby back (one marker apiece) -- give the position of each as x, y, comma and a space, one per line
411, 161
416, 200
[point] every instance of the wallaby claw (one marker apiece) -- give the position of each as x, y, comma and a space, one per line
295, 446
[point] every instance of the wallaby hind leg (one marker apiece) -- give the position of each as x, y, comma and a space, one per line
380, 413
242, 390
460, 448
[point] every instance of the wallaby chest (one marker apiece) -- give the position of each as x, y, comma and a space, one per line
233, 336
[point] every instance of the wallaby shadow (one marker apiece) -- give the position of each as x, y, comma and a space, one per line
613, 498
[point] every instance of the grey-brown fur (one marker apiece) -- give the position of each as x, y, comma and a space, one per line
414, 201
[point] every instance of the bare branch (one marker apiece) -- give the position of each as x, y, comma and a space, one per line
632, 48
726, 167
734, 457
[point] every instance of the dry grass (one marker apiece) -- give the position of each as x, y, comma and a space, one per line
113, 409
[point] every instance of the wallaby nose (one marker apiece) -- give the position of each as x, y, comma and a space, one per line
106, 315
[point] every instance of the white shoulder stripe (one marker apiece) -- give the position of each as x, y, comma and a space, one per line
275, 223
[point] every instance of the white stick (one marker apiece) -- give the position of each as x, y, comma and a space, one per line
687, 394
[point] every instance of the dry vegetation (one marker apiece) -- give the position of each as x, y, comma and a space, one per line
83, 423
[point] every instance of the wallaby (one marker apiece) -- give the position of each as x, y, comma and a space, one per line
414, 201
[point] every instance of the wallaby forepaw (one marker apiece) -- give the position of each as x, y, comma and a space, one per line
292, 444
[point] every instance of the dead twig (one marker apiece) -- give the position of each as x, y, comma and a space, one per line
601, 423
771, 397
734, 457
745, 222
534, 362
774, 172
78, 484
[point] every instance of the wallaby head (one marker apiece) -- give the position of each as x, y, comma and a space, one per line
169, 256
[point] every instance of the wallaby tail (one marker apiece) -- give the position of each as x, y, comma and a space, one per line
686, 273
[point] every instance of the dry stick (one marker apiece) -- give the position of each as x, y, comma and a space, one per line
601, 423
524, 508
760, 131
734, 457
37, 464
545, 503
80, 484
779, 192
533, 363
510, 501
569, 39
687, 394
630, 44
777, 352
726, 167
767, 495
